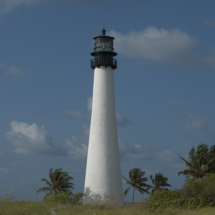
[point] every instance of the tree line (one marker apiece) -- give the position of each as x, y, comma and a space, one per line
202, 162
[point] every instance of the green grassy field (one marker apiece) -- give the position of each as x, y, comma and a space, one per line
10, 207
40, 208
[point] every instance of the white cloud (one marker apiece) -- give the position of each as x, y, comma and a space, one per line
102, 4
28, 139
15, 163
4, 170
138, 152
195, 123
10, 70
170, 158
197, 128
162, 46
206, 138
77, 115
121, 120
7, 5
209, 22
76, 148
176, 102
89, 104
133, 151
86, 130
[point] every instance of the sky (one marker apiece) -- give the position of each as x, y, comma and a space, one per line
164, 86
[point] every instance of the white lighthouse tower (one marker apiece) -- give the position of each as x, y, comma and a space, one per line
103, 182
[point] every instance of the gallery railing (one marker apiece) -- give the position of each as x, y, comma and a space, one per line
103, 62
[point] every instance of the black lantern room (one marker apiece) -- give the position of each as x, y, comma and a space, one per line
103, 51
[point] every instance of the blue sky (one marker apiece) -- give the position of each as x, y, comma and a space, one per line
164, 86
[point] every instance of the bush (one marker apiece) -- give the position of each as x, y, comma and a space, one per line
65, 197
204, 188
194, 194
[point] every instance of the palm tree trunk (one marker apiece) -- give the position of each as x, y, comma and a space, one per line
133, 195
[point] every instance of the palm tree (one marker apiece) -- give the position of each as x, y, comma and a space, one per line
159, 181
59, 182
199, 162
136, 181
211, 159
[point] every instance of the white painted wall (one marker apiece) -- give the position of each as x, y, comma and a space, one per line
103, 172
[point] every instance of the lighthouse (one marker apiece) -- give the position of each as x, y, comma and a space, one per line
103, 182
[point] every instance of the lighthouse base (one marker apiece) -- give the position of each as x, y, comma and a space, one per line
105, 199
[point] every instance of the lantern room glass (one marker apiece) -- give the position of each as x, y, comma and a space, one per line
103, 44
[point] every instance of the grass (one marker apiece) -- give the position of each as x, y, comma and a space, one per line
10, 207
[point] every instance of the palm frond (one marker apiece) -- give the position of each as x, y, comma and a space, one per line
142, 179
133, 173
65, 181
60, 181
43, 189
204, 167
154, 189
164, 184
143, 185
51, 175
57, 173
202, 149
186, 172
192, 156
126, 191
192, 173
211, 160
62, 176
47, 182
153, 181
125, 178
140, 174
69, 185
211, 157
201, 161
203, 156
142, 190
137, 181
186, 163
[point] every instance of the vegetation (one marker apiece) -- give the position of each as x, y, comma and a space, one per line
161, 202
197, 195
159, 181
193, 195
65, 197
136, 182
59, 183
201, 162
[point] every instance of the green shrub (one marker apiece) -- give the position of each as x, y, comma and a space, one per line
194, 194
65, 197
204, 188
